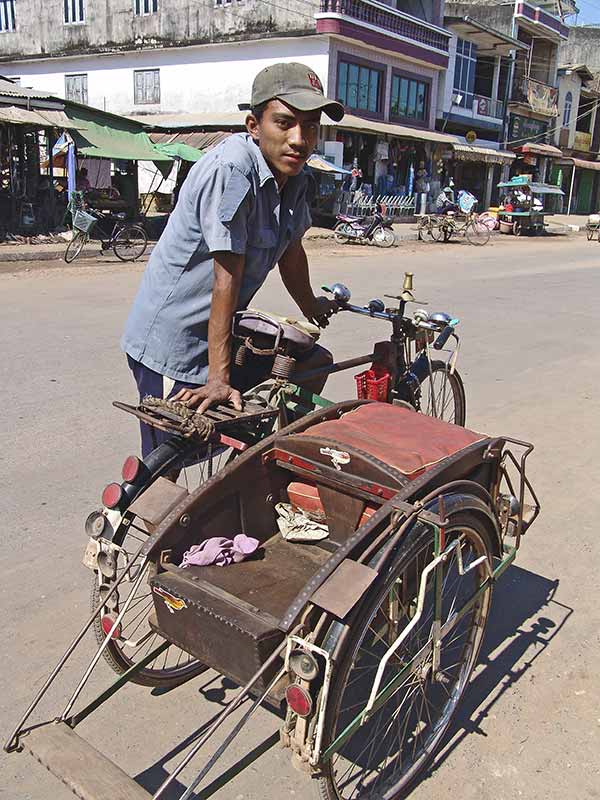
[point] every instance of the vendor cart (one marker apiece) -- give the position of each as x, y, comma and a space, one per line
526, 205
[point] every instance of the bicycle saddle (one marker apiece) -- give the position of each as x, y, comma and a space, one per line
299, 336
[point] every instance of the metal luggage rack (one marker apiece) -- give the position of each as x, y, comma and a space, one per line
176, 418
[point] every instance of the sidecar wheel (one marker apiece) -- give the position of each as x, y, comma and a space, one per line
385, 756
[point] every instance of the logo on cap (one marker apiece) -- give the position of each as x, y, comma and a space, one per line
314, 81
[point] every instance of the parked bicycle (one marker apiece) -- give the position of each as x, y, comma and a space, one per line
127, 240
475, 230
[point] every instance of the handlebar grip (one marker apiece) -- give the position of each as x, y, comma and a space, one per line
443, 337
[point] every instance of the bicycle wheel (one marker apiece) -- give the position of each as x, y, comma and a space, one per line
384, 237
442, 395
75, 246
342, 233
386, 754
428, 229
135, 638
447, 230
130, 243
477, 233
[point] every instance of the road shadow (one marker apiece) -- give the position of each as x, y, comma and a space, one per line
525, 619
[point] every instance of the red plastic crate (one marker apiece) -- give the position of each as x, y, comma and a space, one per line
373, 384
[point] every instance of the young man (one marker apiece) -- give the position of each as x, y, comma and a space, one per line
241, 210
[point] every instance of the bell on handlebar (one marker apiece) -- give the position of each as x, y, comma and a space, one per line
441, 318
340, 292
376, 306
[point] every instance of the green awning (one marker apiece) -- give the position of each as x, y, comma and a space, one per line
179, 150
99, 135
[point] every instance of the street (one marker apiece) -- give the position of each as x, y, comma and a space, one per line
530, 723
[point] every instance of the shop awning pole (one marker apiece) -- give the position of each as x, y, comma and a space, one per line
571, 190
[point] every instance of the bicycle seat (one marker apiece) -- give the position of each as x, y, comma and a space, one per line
294, 336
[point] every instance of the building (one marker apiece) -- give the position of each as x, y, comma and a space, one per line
578, 136
175, 57
532, 103
472, 103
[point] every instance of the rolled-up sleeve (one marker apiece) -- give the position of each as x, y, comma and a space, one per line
223, 208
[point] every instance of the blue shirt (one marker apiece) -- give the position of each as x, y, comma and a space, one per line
229, 201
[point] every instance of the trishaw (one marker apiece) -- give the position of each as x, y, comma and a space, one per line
366, 633
526, 215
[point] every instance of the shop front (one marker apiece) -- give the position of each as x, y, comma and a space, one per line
478, 170
580, 181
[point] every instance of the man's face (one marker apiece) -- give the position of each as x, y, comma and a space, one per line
286, 137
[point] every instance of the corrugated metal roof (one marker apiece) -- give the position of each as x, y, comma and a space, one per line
200, 140
213, 119
14, 90
41, 118
467, 152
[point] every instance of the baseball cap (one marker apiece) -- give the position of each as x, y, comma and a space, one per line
297, 85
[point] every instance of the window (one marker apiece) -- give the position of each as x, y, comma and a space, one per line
410, 98
146, 86
464, 71
143, 7
567, 109
76, 88
359, 87
7, 15
74, 11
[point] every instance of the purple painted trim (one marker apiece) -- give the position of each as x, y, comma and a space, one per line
543, 18
343, 28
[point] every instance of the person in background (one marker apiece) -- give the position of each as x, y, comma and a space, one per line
445, 201
82, 182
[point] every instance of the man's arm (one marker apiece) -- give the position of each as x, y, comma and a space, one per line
293, 267
228, 272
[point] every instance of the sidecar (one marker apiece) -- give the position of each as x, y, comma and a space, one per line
366, 633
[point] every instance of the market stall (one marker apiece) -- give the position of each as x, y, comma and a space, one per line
525, 205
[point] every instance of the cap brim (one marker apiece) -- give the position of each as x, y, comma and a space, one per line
311, 101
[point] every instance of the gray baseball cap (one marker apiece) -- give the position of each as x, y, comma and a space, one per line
297, 85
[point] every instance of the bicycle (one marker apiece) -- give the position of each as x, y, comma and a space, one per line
428, 227
402, 372
475, 230
127, 240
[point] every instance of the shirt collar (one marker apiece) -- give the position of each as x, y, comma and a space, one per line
264, 171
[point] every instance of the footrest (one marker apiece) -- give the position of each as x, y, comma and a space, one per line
89, 774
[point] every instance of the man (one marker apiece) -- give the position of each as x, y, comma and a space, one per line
445, 200
242, 209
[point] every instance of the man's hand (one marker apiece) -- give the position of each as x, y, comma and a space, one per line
319, 311
212, 394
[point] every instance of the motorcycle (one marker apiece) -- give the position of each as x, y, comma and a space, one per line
376, 229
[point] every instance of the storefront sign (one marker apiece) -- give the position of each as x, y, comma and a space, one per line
542, 98
471, 137
583, 142
522, 128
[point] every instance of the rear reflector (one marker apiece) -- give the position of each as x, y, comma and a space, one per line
111, 496
299, 700
131, 468
107, 621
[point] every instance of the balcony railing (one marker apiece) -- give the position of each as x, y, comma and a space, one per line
388, 19
480, 105
540, 96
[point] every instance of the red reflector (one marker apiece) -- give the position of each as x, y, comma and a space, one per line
130, 469
107, 621
111, 496
299, 700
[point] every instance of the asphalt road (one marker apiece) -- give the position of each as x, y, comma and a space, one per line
530, 723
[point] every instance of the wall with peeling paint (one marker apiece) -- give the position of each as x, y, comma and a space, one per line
110, 25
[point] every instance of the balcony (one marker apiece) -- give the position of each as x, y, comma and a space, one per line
375, 23
476, 106
540, 97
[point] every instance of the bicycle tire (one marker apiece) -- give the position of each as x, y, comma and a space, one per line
378, 740
130, 243
477, 234
75, 246
457, 389
169, 457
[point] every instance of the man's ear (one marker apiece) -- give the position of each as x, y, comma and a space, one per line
252, 126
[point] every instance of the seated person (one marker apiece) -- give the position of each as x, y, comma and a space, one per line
445, 200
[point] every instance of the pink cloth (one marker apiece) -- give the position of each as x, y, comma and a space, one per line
220, 551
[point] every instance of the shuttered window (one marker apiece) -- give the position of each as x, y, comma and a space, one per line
76, 88
146, 86
143, 7
74, 11
7, 15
